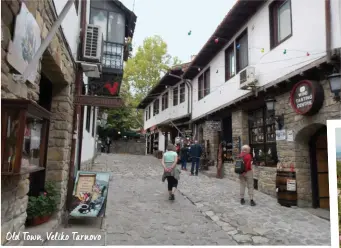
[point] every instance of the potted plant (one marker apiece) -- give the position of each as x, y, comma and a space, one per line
40, 208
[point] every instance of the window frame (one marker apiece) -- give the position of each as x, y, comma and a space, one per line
204, 87
273, 22
149, 111
267, 129
156, 110
146, 114
165, 99
238, 53
176, 95
108, 11
182, 95
228, 51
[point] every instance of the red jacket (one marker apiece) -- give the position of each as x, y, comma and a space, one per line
247, 158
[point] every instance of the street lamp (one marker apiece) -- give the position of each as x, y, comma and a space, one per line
119, 132
335, 85
270, 106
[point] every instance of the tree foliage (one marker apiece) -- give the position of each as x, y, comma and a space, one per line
141, 73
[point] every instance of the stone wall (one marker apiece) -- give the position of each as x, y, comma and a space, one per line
213, 137
58, 65
129, 147
303, 127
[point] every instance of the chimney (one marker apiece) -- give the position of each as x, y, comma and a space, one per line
193, 57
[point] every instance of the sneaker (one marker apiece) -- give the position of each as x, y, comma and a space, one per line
253, 203
242, 201
172, 197
196, 174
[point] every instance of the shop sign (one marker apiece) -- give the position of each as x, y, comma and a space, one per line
291, 185
280, 134
99, 101
26, 42
90, 194
307, 97
290, 135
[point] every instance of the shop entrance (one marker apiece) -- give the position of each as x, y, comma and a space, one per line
319, 168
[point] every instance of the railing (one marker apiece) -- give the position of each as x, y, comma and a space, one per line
112, 55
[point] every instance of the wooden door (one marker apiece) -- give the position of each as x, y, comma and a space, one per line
322, 171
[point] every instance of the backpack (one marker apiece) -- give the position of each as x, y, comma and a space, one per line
239, 167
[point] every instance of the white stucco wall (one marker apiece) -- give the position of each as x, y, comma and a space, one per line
70, 24
172, 112
272, 64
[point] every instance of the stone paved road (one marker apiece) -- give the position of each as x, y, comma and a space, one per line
206, 211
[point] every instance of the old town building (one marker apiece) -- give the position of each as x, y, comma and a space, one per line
270, 86
41, 104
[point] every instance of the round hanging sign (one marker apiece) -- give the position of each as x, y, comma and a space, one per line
307, 97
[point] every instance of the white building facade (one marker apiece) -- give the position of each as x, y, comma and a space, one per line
263, 79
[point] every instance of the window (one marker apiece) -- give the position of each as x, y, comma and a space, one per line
111, 23
146, 114
262, 131
280, 22
242, 52
88, 116
165, 101
182, 92
149, 112
207, 82
204, 84
175, 96
230, 65
113, 27
156, 107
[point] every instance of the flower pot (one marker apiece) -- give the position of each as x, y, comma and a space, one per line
38, 220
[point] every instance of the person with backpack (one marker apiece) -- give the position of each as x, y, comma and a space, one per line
243, 167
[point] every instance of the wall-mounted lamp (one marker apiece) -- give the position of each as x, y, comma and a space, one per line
270, 106
335, 85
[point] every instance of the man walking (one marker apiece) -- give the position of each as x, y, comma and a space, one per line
246, 178
195, 154
184, 157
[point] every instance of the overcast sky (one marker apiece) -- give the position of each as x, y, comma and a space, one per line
173, 19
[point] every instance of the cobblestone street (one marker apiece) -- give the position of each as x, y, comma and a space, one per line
206, 211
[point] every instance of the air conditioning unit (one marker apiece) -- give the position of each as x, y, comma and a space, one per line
247, 78
92, 43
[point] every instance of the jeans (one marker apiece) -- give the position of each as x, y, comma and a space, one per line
183, 163
195, 161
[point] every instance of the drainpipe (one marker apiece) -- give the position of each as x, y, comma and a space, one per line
76, 113
328, 29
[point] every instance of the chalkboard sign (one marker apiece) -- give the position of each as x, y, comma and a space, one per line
213, 125
307, 97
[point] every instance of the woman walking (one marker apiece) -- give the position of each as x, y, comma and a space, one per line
171, 171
